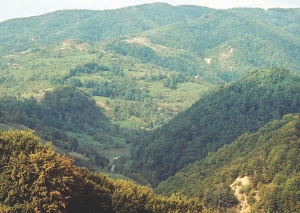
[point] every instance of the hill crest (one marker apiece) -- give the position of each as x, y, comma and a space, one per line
217, 119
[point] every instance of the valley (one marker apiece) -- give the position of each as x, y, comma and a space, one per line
197, 106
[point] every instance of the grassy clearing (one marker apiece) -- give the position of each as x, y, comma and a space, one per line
34, 72
117, 147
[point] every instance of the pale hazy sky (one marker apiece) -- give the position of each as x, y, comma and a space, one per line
24, 8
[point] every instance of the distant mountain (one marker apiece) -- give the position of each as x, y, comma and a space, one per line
21, 34
218, 46
234, 41
216, 119
264, 164
286, 19
221, 46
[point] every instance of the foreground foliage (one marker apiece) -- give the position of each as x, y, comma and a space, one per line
36, 179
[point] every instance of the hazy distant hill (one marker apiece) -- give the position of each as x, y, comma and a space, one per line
220, 46
20, 34
217, 119
286, 19
216, 45
236, 40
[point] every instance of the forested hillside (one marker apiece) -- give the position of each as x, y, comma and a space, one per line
155, 92
129, 90
268, 159
36, 179
218, 46
234, 41
63, 110
26, 33
216, 119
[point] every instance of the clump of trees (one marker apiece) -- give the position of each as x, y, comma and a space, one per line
34, 178
63, 109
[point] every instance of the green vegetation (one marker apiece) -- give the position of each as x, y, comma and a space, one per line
95, 82
137, 61
67, 109
234, 41
36, 179
216, 119
34, 32
111, 79
217, 45
269, 157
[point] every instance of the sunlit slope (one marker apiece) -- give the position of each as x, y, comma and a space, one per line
267, 159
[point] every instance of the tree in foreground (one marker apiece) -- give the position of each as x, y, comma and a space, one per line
34, 178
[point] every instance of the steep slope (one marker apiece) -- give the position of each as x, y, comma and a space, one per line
268, 159
217, 119
22, 34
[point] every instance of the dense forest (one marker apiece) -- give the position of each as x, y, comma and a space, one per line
89, 25
216, 119
268, 157
191, 102
63, 109
236, 40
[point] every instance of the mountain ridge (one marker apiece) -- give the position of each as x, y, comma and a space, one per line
217, 119
268, 158
90, 25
